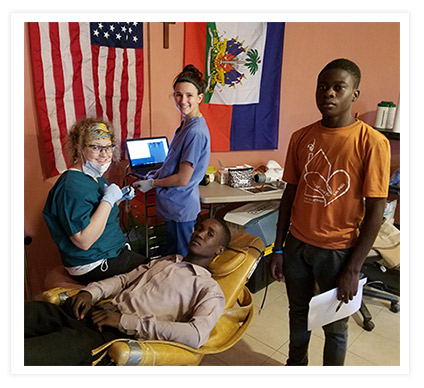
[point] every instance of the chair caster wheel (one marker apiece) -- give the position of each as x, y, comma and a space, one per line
394, 307
368, 325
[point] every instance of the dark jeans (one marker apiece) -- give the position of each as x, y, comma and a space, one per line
52, 337
306, 267
125, 262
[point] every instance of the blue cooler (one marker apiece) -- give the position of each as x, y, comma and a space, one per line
257, 218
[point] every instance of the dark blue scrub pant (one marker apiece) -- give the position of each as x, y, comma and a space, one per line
125, 262
178, 236
304, 268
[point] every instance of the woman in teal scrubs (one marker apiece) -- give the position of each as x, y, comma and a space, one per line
81, 210
177, 181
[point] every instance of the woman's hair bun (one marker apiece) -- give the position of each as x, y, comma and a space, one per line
192, 69
193, 75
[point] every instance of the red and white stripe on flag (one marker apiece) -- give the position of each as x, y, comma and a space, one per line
86, 70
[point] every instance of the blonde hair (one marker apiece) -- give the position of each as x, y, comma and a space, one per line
79, 136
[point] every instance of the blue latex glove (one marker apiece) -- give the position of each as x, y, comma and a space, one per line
144, 186
112, 194
128, 193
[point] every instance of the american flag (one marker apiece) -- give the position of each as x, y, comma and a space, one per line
86, 70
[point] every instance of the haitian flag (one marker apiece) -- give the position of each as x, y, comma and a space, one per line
86, 70
241, 63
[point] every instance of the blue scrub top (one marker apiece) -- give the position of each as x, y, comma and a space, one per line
190, 144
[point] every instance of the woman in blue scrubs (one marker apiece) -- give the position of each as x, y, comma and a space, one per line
177, 181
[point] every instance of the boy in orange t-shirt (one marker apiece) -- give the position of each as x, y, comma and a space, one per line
337, 173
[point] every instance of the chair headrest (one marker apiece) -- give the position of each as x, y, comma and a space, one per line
235, 255
227, 263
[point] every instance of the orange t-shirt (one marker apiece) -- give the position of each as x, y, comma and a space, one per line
334, 169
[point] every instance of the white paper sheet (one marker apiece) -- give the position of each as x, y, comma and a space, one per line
322, 307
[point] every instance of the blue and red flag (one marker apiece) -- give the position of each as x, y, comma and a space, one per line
86, 70
242, 65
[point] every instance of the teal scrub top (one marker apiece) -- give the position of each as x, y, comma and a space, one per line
190, 144
69, 206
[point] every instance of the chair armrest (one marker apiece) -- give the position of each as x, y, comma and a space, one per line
58, 295
131, 352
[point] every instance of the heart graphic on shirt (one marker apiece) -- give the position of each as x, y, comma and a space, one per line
329, 189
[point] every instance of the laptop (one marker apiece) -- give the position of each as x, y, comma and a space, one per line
146, 154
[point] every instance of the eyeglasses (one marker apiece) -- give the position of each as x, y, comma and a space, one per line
97, 149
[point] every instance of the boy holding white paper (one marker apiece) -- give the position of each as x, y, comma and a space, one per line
337, 171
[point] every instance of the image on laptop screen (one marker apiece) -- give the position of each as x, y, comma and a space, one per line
147, 151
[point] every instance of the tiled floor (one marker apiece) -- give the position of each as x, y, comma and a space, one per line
266, 340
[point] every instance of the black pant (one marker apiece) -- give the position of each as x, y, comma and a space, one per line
125, 262
52, 337
304, 267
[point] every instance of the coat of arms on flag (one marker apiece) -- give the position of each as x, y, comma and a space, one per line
233, 68
242, 66
86, 70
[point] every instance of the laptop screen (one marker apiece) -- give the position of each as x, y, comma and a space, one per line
147, 151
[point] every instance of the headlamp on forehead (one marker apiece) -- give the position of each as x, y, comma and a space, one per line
99, 131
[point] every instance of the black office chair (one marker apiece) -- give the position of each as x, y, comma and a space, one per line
382, 283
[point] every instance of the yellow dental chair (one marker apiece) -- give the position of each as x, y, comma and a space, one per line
231, 270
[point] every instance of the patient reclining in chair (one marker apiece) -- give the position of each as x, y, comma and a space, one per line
172, 298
